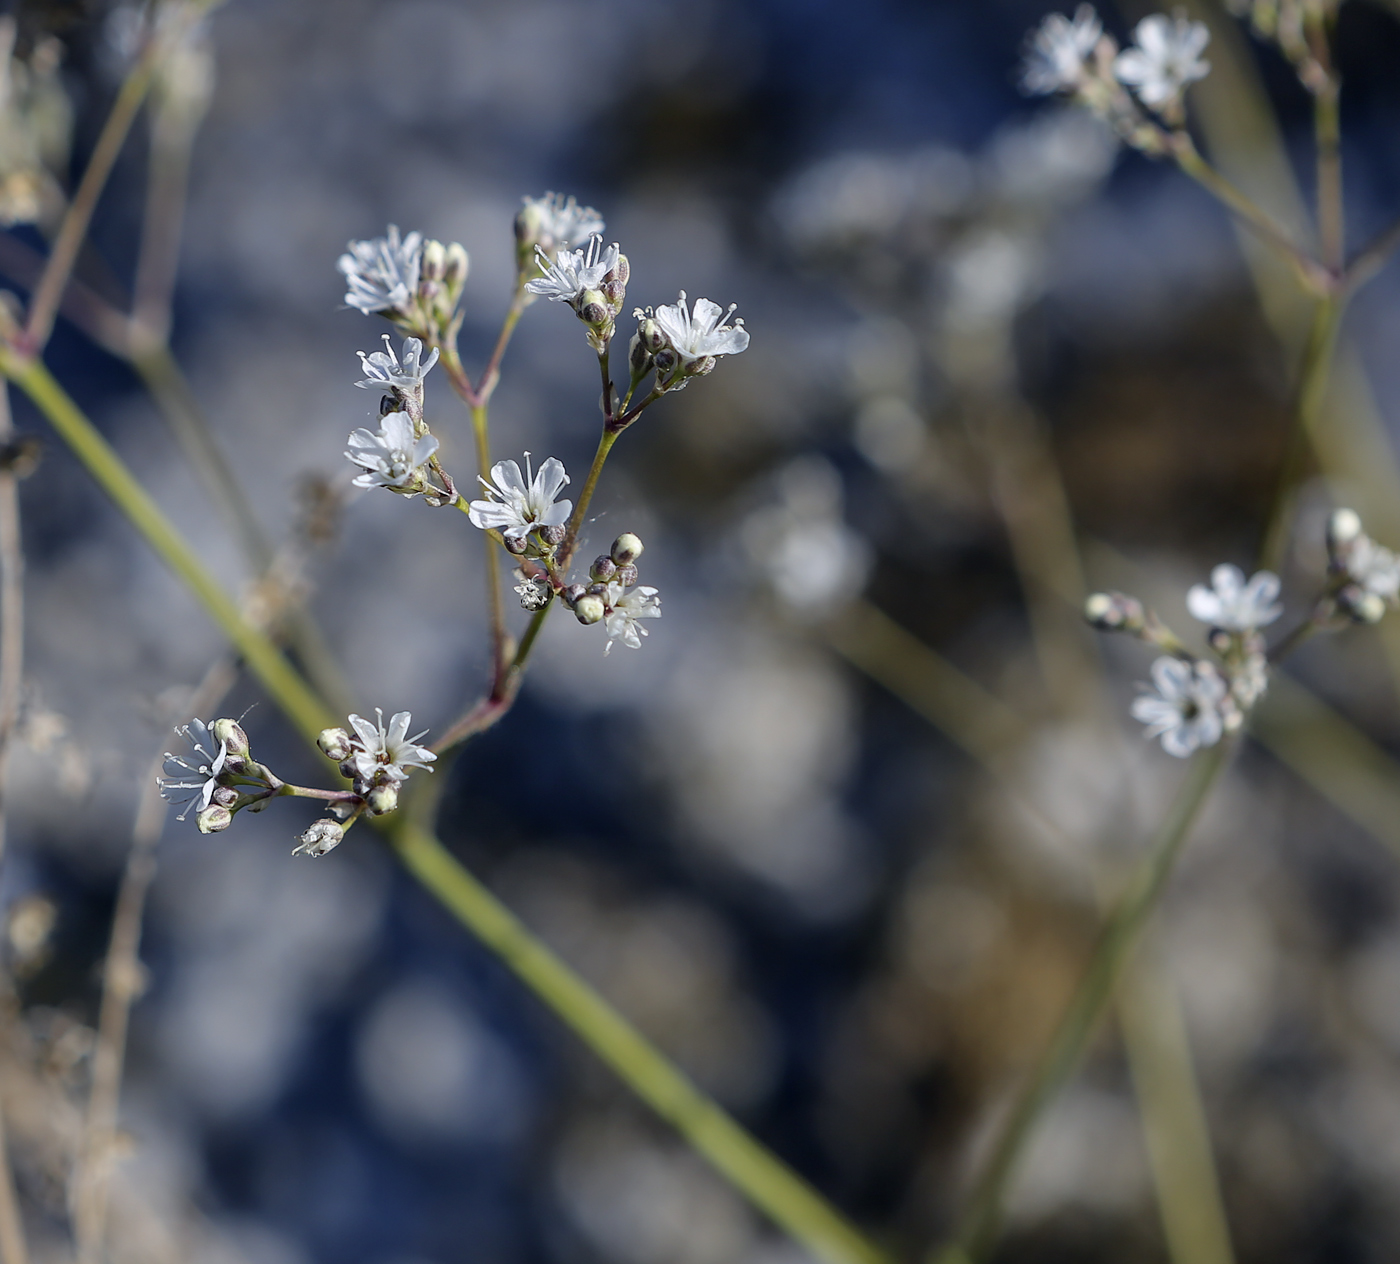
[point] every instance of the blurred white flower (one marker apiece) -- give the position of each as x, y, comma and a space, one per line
625, 607
1165, 58
387, 751
392, 458
1057, 50
693, 336
382, 273
386, 372
193, 784
558, 221
572, 273
1234, 605
517, 504
1185, 710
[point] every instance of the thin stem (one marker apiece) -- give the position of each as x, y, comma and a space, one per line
1327, 133
13, 1248
43, 306
121, 986
494, 597
768, 1182
566, 550
456, 374
1314, 275
978, 1227
491, 374
608, 397
280, 679
1311, 392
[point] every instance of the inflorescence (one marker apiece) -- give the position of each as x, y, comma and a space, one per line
417, 285
1193, 701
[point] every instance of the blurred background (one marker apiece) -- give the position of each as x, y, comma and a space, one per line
837, 836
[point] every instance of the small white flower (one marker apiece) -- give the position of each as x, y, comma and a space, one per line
322, 836
516, 505
1185, 710
382, 273
394, 457
1232, 604
534, 593
560, 221
387, 753
1058, 49
193, 784
1165, 58
1374, 567
625, 607
386, 372
695, 335
572, 273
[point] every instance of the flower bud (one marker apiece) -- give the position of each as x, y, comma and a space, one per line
589, 609
1363, 606
224, 796
638, 357
516, 544
573, 592
213, 819
651, 335
1114, 612
552, 536
387, 404
348, 769
434, 261
626, 548
529, 225
621, 272
334, 744
231, 734
321, 837
626, 575
593, 308
383, 799
665, 360
1343, 527
603, 568
699, 368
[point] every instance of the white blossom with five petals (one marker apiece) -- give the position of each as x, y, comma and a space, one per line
394, 457
1185, 710
1165, 58
695, 334
382, 273
386, 752
193, 784
1057, 51
517, 504
573, 273
626, 607
1234, 605
384, 371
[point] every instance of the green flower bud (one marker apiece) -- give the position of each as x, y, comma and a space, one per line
231, 734
213, 819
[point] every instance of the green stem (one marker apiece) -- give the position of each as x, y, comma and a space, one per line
1311, 392
491, 374
768, 1184
771, 1185
978, 1227
1327, 129
495, 599
305, 709
566, 550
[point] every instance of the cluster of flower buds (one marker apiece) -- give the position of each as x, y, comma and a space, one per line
546, 225
1365, 575
415, 284
1134, 90
221, 779
614, 598
1192, 702
1285, 24
376, 757
592, 281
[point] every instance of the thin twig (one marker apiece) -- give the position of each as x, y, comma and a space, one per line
13, 1249
121, 985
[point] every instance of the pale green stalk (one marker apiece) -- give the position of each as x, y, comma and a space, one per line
762, 1178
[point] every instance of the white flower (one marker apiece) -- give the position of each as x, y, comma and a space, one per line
573, 272
517, 505
625, 607
1232, 604
1185, 710
382, 273
387, 753
394, 457
693, 336
386, 372
322, 836
1166, 57
1058, 49
534, 592
193, 784
1373, 566
559, 221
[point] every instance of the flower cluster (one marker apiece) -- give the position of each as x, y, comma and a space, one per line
679, 343
415, 284
1193, 701
550, 224
221, 779
1135, 90
614, 598
593, 281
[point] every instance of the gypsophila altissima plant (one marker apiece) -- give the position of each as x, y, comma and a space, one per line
417, 285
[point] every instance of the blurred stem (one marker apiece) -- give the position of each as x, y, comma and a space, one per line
122, 984
281, 680
13, 1247
1307, 412
772, 1186
491, 374
43, 305
977, 1230
1327, 133
1174, 1120
755, 1172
